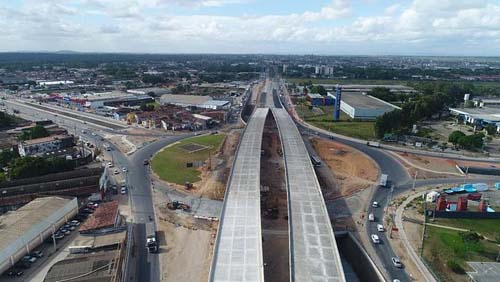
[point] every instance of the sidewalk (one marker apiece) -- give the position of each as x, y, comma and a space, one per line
413, 255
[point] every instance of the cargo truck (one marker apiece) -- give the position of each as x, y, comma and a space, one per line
151, 240
383, 180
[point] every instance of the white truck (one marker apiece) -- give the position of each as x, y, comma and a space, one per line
383, 180
151, 240
373, 144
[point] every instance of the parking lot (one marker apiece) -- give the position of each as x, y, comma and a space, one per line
34, 266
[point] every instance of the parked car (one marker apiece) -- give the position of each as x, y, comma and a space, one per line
38, 254
22, 264
14, 272
375, 239
110, 165
375, 204
66, 231
145, 162
124, 169
87, 210
74, 222
116, 171
396, 262
380, 228
59, 236
29, 259
123, 190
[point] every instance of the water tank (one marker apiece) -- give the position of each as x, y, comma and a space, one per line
466, 97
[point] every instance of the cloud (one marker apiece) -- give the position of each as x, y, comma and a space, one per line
128, 24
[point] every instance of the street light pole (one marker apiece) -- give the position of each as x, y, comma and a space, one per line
414, 180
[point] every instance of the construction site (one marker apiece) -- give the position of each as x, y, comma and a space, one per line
274, 209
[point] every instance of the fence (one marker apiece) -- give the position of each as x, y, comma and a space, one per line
480, 215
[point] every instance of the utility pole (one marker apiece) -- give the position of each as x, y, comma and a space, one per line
466, 172
414, 180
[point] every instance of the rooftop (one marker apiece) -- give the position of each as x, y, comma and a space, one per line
360, 100
315, 96
489, 114
45, 139
184, 99
216, 102
104, 216
95, 267
100, 241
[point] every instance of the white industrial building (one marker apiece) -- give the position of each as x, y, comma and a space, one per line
203, 102
21, 231
359, 105
478, 116
43, 145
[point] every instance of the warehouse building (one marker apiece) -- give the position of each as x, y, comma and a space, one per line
478, 116
358, 105
23, 230
203, 102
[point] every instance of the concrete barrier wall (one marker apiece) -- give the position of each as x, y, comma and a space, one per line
359, 260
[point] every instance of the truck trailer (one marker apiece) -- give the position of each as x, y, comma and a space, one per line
151, 240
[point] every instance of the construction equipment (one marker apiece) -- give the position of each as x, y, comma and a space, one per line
176, 205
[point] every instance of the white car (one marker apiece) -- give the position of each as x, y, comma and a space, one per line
380, 228
123, 191
375, 239
375, 204
396, 262
371, 217
94, 134
110, 165
124, 169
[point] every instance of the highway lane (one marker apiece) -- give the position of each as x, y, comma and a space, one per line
141, 199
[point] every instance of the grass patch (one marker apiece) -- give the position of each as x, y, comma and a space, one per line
443, 245
170, 163
346, 126
489, 228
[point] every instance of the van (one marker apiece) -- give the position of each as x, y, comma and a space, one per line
371, 217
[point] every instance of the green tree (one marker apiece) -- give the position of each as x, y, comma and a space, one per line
490, 129
6, 120
7, 156
469, 142
38, 131
145, 107
389, 122
319, 89
455, 136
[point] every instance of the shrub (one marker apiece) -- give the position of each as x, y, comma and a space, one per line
454, 266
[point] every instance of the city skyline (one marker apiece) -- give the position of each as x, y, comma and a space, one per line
364, 27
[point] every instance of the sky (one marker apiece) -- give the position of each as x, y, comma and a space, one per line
321, 27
